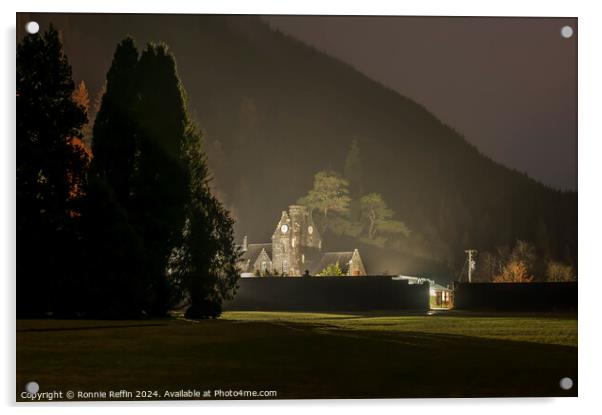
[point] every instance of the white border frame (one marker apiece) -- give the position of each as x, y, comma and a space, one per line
590, 198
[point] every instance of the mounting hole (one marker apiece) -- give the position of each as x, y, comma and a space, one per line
32, 387
32, 27
566, 32
566, 383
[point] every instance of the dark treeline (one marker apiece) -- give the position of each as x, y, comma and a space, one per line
131, 228
276, 112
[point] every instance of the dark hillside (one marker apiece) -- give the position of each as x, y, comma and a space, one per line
276, 111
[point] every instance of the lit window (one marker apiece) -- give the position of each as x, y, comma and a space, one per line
264, 266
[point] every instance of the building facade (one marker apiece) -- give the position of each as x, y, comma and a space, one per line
295, 241
295, 249
350, 263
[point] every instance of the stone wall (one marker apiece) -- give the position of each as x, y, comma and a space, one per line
328, 294
544, 296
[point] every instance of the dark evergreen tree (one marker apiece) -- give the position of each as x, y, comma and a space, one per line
115, 256
115, 253
206, 263
354, 170
115, 128
161, 180
155, 231
49, 167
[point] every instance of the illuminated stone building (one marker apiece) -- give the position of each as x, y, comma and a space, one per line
295, 248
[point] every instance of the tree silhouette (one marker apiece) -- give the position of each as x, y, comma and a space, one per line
115, 256
115, 129
115, 251
151, 211
160, 185
49, 165
354, 170
206, 264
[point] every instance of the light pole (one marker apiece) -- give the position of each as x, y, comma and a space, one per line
471, 262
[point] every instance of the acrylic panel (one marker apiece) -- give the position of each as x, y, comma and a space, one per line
295, 207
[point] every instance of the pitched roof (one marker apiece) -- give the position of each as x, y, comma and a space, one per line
253, 251
438, 287
331, 258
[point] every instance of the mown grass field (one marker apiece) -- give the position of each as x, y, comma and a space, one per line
307, 355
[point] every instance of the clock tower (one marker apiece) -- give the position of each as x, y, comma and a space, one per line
295, 241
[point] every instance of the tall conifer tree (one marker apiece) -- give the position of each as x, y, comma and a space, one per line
206, 264
161, 183
116, 257
48, 166
115, 127
156, 230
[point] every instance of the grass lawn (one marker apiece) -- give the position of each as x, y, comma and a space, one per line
307, 355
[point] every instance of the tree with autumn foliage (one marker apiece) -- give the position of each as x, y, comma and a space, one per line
559, 272
81, 98
514, 271
522, 263
49, 165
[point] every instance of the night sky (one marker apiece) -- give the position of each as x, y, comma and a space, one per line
509, 85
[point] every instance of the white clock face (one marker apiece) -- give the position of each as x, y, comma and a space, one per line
310, 230
284, 228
